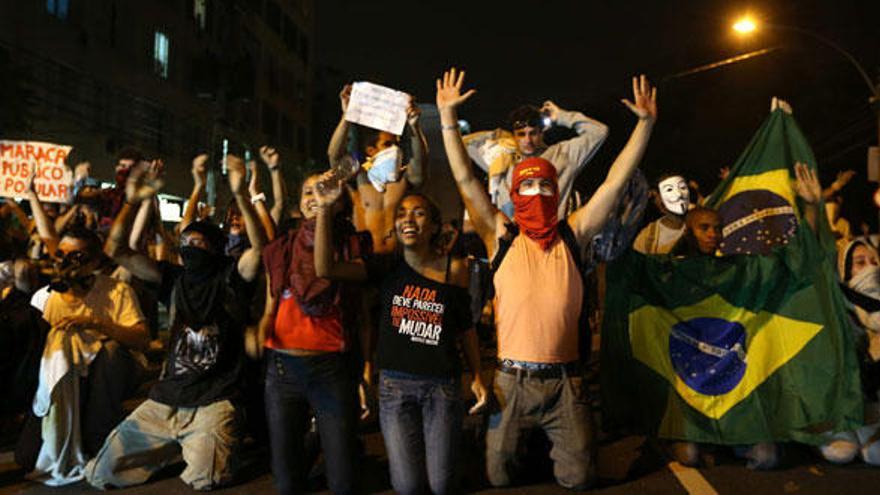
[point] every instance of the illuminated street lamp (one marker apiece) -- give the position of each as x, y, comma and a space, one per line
747, 25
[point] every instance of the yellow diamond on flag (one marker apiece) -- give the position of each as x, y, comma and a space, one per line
713, 353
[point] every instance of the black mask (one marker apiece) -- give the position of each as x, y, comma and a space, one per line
71, 271
198, 261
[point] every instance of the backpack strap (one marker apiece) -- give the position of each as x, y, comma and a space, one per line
504, 244
585, 343
571, 243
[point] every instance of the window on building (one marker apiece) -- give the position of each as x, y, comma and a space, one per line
58, 8
161, 49
200, 13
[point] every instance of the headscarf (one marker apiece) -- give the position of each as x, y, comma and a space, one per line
536, 215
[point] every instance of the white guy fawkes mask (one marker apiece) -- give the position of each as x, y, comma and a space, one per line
674, 194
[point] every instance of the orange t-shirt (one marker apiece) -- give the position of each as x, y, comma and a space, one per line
294, 329
538, 297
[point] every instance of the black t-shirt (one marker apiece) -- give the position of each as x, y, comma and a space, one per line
420, 321
205, 358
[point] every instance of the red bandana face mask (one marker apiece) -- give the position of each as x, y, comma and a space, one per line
536, 214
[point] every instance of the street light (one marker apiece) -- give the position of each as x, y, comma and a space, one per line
747, 25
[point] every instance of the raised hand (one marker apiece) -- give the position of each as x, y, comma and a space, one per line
449, 90
82, 170
807, 185
345, 97
843, 179
328, 189
200, 169
551, 110
142, 182
29, 182
413, 113
644, 103
155, 170
270, 157
236, 174
723, 172
254, 186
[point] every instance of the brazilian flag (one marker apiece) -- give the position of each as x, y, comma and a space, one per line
737, 349
756, 201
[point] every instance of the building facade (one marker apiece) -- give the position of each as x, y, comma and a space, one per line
171, 77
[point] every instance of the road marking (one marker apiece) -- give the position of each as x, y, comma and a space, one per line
691, 479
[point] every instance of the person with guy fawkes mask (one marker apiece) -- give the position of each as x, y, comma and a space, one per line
672, 197
539, 292
193, 406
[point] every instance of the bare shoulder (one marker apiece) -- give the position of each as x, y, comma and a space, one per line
459, 274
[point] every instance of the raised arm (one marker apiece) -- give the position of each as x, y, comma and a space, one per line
145, 210
415, 170
571, 156
842, 180
200, 178
258, 199
137, 190
810, 192
249, 263
339, 140
591, 217
279, 188
326, 264
45, 226
484, 215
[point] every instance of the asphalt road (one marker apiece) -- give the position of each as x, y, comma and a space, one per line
626, 465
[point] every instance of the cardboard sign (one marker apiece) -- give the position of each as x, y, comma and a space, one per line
377, 107
53, 181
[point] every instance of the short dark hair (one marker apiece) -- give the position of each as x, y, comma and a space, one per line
129, 153
665, 175
524, 116
213, 234
93, 242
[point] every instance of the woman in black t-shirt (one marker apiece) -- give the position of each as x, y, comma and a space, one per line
425, 313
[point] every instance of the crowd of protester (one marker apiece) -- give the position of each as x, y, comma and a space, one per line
356, 295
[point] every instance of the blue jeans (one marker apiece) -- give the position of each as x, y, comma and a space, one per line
328, 385
421, 419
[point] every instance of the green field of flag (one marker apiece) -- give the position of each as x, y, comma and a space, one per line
737, 349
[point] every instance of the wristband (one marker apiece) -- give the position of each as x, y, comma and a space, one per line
257, 198
449, 127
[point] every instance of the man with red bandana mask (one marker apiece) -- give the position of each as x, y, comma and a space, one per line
539, 291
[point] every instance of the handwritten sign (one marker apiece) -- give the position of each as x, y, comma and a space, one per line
377, 107
53, 181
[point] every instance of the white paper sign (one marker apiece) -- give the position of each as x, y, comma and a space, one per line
377, 107
54, 180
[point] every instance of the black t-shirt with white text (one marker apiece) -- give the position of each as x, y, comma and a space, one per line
420, 321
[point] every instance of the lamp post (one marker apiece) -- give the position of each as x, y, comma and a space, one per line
747, 25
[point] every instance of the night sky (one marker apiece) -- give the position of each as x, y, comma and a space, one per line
581, 54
